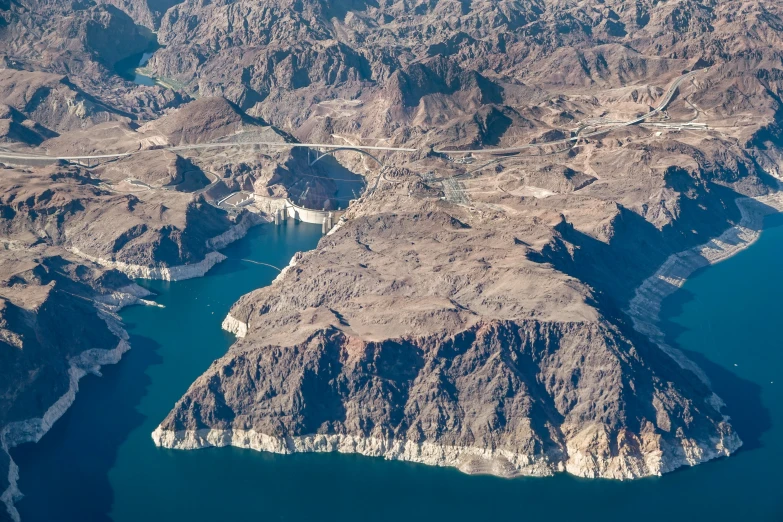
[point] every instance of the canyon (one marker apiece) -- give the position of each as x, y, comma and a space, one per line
495, 310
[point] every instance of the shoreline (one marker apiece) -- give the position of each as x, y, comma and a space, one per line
644, 310
90, 361
163, 273
186, 271
471, 460
237, 327
33, 429
645, 307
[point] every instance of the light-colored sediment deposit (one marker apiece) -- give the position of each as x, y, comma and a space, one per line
493, 311
468, 459
184, 271
166, 273
234, 326
645, 306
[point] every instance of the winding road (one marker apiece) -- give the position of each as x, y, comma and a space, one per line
661, 106
363, 148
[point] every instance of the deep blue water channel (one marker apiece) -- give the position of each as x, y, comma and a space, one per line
126, 67
99, 462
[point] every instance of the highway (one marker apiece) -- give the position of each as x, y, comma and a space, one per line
284, 145
507, 150
179, 148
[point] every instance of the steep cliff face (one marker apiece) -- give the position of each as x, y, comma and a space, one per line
56, 324
436, 334
39, 337
63, 206
505, 398
147, 13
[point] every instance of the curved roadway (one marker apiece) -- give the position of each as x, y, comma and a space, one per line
666, 100
506, 150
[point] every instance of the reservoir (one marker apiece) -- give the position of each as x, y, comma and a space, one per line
126, 67
98, 463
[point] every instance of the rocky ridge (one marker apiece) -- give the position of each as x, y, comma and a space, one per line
492, 313
503, 386
57, 324
65, 265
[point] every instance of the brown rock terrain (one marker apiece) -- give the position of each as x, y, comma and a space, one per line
57, 61
56, 324
474, 310
64, 206
441, 334
487, 331
62, 234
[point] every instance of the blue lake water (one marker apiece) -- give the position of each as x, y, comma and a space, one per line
99, 462
126, 68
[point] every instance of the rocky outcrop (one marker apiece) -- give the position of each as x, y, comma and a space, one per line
232, 325
159, 235
51, 101
132, 294
165, 273
645, 307
538, 381
16, 127
181, 272
154, 168
238, 231
501, 398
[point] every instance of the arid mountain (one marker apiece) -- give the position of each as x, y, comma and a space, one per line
56, 324
479, 331
493, 311
58, 58
287, 61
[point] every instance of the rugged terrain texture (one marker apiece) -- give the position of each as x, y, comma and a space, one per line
57, 64
455, 72
56, 324
444, 340
493, 312
473, 311
66, 244
65, 206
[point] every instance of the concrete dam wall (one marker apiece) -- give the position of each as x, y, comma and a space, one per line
287, 209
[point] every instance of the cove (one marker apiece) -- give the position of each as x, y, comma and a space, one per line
99, 462
127, 67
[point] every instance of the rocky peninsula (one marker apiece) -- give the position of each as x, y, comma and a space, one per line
493, 314
489, 300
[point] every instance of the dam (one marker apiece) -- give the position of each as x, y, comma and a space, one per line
88, 469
